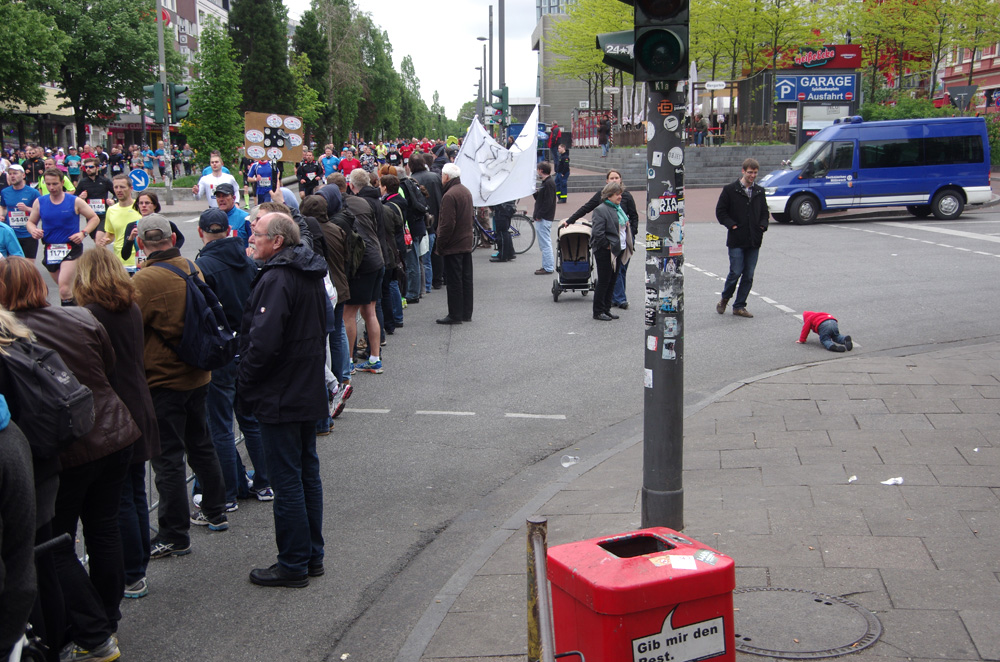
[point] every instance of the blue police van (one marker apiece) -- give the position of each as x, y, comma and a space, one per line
930, 166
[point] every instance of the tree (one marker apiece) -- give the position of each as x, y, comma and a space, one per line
258, 30
37, 60
381, 106
110, 56
979, 27
214, 120
307, 103
310, 40
343, 72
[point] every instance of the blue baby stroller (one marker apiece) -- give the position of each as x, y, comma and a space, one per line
574, 263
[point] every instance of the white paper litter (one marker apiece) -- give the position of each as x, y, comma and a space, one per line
893, 481
852, 479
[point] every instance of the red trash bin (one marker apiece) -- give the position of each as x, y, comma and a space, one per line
652, 595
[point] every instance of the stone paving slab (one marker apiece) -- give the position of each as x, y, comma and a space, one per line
765, 480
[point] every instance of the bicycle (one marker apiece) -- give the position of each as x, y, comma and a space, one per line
522, 230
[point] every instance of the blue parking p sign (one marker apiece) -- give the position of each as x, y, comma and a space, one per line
140, 180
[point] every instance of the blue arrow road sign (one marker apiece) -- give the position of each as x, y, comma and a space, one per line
140, 180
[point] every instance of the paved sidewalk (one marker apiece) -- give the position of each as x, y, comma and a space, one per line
767, 480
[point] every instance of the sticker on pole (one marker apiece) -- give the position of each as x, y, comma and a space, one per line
675, 156
650, 131
671, 123
689, 643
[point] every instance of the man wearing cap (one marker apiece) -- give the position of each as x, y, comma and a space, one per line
208, 184
179, 393
228, 271
225, 198
15, 205
281, 378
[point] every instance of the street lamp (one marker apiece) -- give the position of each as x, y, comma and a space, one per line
479, 100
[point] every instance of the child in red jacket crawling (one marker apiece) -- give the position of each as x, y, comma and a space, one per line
825, 326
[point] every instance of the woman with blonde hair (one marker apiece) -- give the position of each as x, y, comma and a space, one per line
103, 287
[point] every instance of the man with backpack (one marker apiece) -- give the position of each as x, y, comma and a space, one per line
179, 392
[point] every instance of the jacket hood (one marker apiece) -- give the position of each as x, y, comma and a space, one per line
229, 251
298, 257
370, 192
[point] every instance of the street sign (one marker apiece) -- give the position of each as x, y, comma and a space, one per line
815, 88
715, 84
961, 95
618, 49
140, 180
612, 90
584, 105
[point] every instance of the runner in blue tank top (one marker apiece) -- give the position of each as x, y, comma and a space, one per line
59, 214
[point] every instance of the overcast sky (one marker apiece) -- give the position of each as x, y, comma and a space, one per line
448, 52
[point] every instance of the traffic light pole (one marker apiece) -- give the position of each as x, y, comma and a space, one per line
663, 419
168, 194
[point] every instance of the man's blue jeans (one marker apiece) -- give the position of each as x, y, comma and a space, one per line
340, 354
298, 493
544, 232
618, 297
220, 407
742, 263
414, 286
425, 260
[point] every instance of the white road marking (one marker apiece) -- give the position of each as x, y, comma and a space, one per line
431, 412
948, 231
770, 301
785, 309
550, 417
353, 410
709, 273
192, 220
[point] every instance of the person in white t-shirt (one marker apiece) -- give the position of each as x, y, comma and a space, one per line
206, 185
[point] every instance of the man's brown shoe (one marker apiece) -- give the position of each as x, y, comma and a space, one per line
543, 272
741, 312
721, 306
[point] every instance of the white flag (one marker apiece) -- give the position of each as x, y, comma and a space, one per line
493, 173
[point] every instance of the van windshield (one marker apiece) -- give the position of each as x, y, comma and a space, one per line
806, 153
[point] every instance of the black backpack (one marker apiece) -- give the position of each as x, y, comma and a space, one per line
207, 342
354, 242
47, 401
415, 200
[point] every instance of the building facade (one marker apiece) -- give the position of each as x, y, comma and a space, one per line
558, 97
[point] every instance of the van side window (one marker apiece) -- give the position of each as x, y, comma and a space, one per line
899, 153
954, 150
843, 156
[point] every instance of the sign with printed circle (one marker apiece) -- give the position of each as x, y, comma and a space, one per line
140, 180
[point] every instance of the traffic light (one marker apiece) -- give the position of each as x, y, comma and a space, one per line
661, 39
501, 103
153, 102
178, 102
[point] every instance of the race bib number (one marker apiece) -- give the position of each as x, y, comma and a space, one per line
310, 176
140, 257
265, 182
18, 219
97, 206
56, 252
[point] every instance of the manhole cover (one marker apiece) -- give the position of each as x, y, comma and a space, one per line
794, 624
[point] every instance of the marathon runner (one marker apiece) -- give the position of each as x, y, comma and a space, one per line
59, 214
15, 204
96, 190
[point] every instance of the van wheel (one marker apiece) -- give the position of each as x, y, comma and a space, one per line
804, 209
920, 211
947, 205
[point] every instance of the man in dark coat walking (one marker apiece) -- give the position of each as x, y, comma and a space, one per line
743, 210
454, 243
282, 380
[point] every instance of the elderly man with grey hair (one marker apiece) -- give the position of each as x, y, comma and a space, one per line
281, 380
454, 244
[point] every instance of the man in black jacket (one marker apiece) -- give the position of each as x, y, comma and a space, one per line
281, 378
743, 210
618, 297
543, 214
228, 271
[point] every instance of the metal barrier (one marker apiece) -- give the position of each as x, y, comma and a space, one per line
541, 633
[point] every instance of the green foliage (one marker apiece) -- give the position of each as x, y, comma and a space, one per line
307, 103
36, 61
214, 121
110, 54
258, 31
993, 131
905, 108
